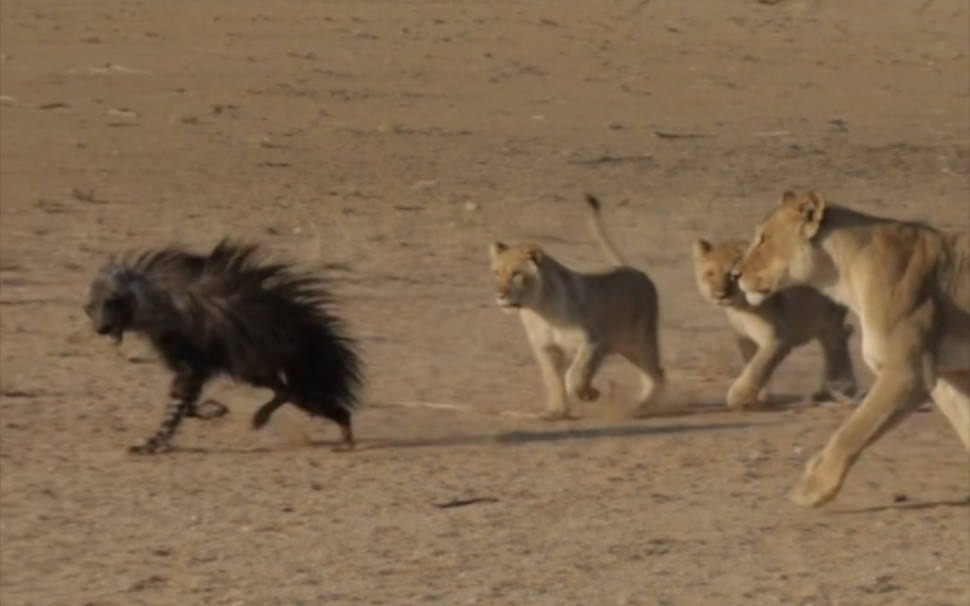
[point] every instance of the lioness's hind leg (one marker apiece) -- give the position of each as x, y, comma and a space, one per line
895, 394
952, 395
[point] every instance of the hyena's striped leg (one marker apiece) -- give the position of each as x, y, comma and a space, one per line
185, 390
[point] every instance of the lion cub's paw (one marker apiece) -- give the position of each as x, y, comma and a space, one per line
588, 394
832, 396
556, 415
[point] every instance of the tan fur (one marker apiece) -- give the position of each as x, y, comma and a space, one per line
574, 320
768, 332
910, 286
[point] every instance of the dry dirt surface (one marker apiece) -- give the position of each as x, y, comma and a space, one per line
386, 143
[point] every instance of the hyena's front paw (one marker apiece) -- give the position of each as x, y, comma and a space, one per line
150, 446
742, 394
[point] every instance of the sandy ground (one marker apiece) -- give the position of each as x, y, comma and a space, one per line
387, 143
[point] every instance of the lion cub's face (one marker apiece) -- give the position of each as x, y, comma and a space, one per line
782, 253
713, 266
516, 272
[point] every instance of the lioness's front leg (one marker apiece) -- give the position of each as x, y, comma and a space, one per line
745, 389
550, 359
580, 375
896, 393
952, 396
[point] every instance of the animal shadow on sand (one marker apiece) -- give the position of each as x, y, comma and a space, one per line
908, 505
552, 435
633, 428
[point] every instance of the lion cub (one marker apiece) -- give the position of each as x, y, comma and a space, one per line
768, 332
574, 320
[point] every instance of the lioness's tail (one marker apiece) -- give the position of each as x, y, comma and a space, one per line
596, 226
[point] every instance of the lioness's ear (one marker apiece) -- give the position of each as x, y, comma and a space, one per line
496, 248
701, 248
788, 196
812, 209
535, 253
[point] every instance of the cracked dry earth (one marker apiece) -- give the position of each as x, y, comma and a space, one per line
386, 143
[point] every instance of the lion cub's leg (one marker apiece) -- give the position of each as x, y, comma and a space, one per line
748, 349
839, 383
753, 379
552, 362
646, 358
952, 395
580, 375
896, 393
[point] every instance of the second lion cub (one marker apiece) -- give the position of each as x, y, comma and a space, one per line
768, 332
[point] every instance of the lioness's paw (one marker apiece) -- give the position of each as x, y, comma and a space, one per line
741, 395
818, 486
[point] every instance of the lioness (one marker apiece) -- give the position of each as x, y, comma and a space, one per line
767, 333
577, 319
910, 286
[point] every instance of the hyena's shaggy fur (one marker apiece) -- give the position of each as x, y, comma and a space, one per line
231, 313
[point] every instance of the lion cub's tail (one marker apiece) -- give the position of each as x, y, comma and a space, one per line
596, 227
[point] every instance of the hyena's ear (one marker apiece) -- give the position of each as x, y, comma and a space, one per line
701, 248
811, 207
496, 248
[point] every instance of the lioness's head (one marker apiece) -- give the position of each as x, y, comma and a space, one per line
783, 251
518, 280
713, 266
